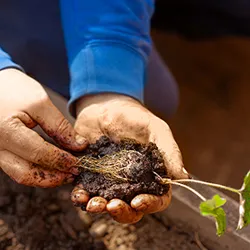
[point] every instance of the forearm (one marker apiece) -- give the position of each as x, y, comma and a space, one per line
108, 44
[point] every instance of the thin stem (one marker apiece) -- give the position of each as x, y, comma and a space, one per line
208, 184
166, 181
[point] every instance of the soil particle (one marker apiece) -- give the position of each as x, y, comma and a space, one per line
137, 169
99, 230
68, 228
22, 205
86, 219
41, 174
3, 229
53, 207
4, 200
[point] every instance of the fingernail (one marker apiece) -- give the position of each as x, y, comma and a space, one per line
186, 173
184, 170
80, 139
113, 204
138, 204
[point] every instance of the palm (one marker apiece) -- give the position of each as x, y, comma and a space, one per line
121, 117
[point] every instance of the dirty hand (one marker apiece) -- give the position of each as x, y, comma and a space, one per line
118, 117
25, 156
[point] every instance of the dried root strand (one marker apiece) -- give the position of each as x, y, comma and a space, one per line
109, 165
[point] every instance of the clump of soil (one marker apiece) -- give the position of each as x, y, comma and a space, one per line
122, 170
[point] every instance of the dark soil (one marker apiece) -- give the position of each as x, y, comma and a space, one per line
138, 169
36, 219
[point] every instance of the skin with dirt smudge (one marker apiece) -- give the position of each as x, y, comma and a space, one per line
119, 117
25, 156
97, 205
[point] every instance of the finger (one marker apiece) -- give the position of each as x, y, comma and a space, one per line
26, 173
97, 205
122, 212
57, 126
79, 196
87, 126
30, 146
26, 119
148, 203
169, 148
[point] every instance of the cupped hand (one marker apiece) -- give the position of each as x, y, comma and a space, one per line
118, 117
24, 155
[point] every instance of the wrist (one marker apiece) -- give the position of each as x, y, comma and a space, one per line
106, 68
102, 99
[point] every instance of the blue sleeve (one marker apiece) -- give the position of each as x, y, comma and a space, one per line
108, 45
6, 62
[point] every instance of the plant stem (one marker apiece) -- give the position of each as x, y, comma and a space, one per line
167, 181
208, 184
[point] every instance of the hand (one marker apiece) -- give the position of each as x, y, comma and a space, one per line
117, 117
24, 155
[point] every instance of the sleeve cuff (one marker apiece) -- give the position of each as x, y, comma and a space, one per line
6, 62
107, 68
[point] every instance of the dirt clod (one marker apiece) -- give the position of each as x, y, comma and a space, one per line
122, 170
99, 230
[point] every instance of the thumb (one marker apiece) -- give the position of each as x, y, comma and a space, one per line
162, 136
55, 125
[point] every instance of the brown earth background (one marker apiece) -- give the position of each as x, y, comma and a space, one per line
212, 123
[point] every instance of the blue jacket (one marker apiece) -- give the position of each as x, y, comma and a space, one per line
107, 43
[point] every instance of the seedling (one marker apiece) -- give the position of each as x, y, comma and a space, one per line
213, 207
126, 169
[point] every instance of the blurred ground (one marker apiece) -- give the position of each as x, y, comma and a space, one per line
212, 123
40, 219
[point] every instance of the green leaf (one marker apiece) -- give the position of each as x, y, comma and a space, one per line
213, 208
244, 210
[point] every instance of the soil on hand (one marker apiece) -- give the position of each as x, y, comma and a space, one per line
130, 169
